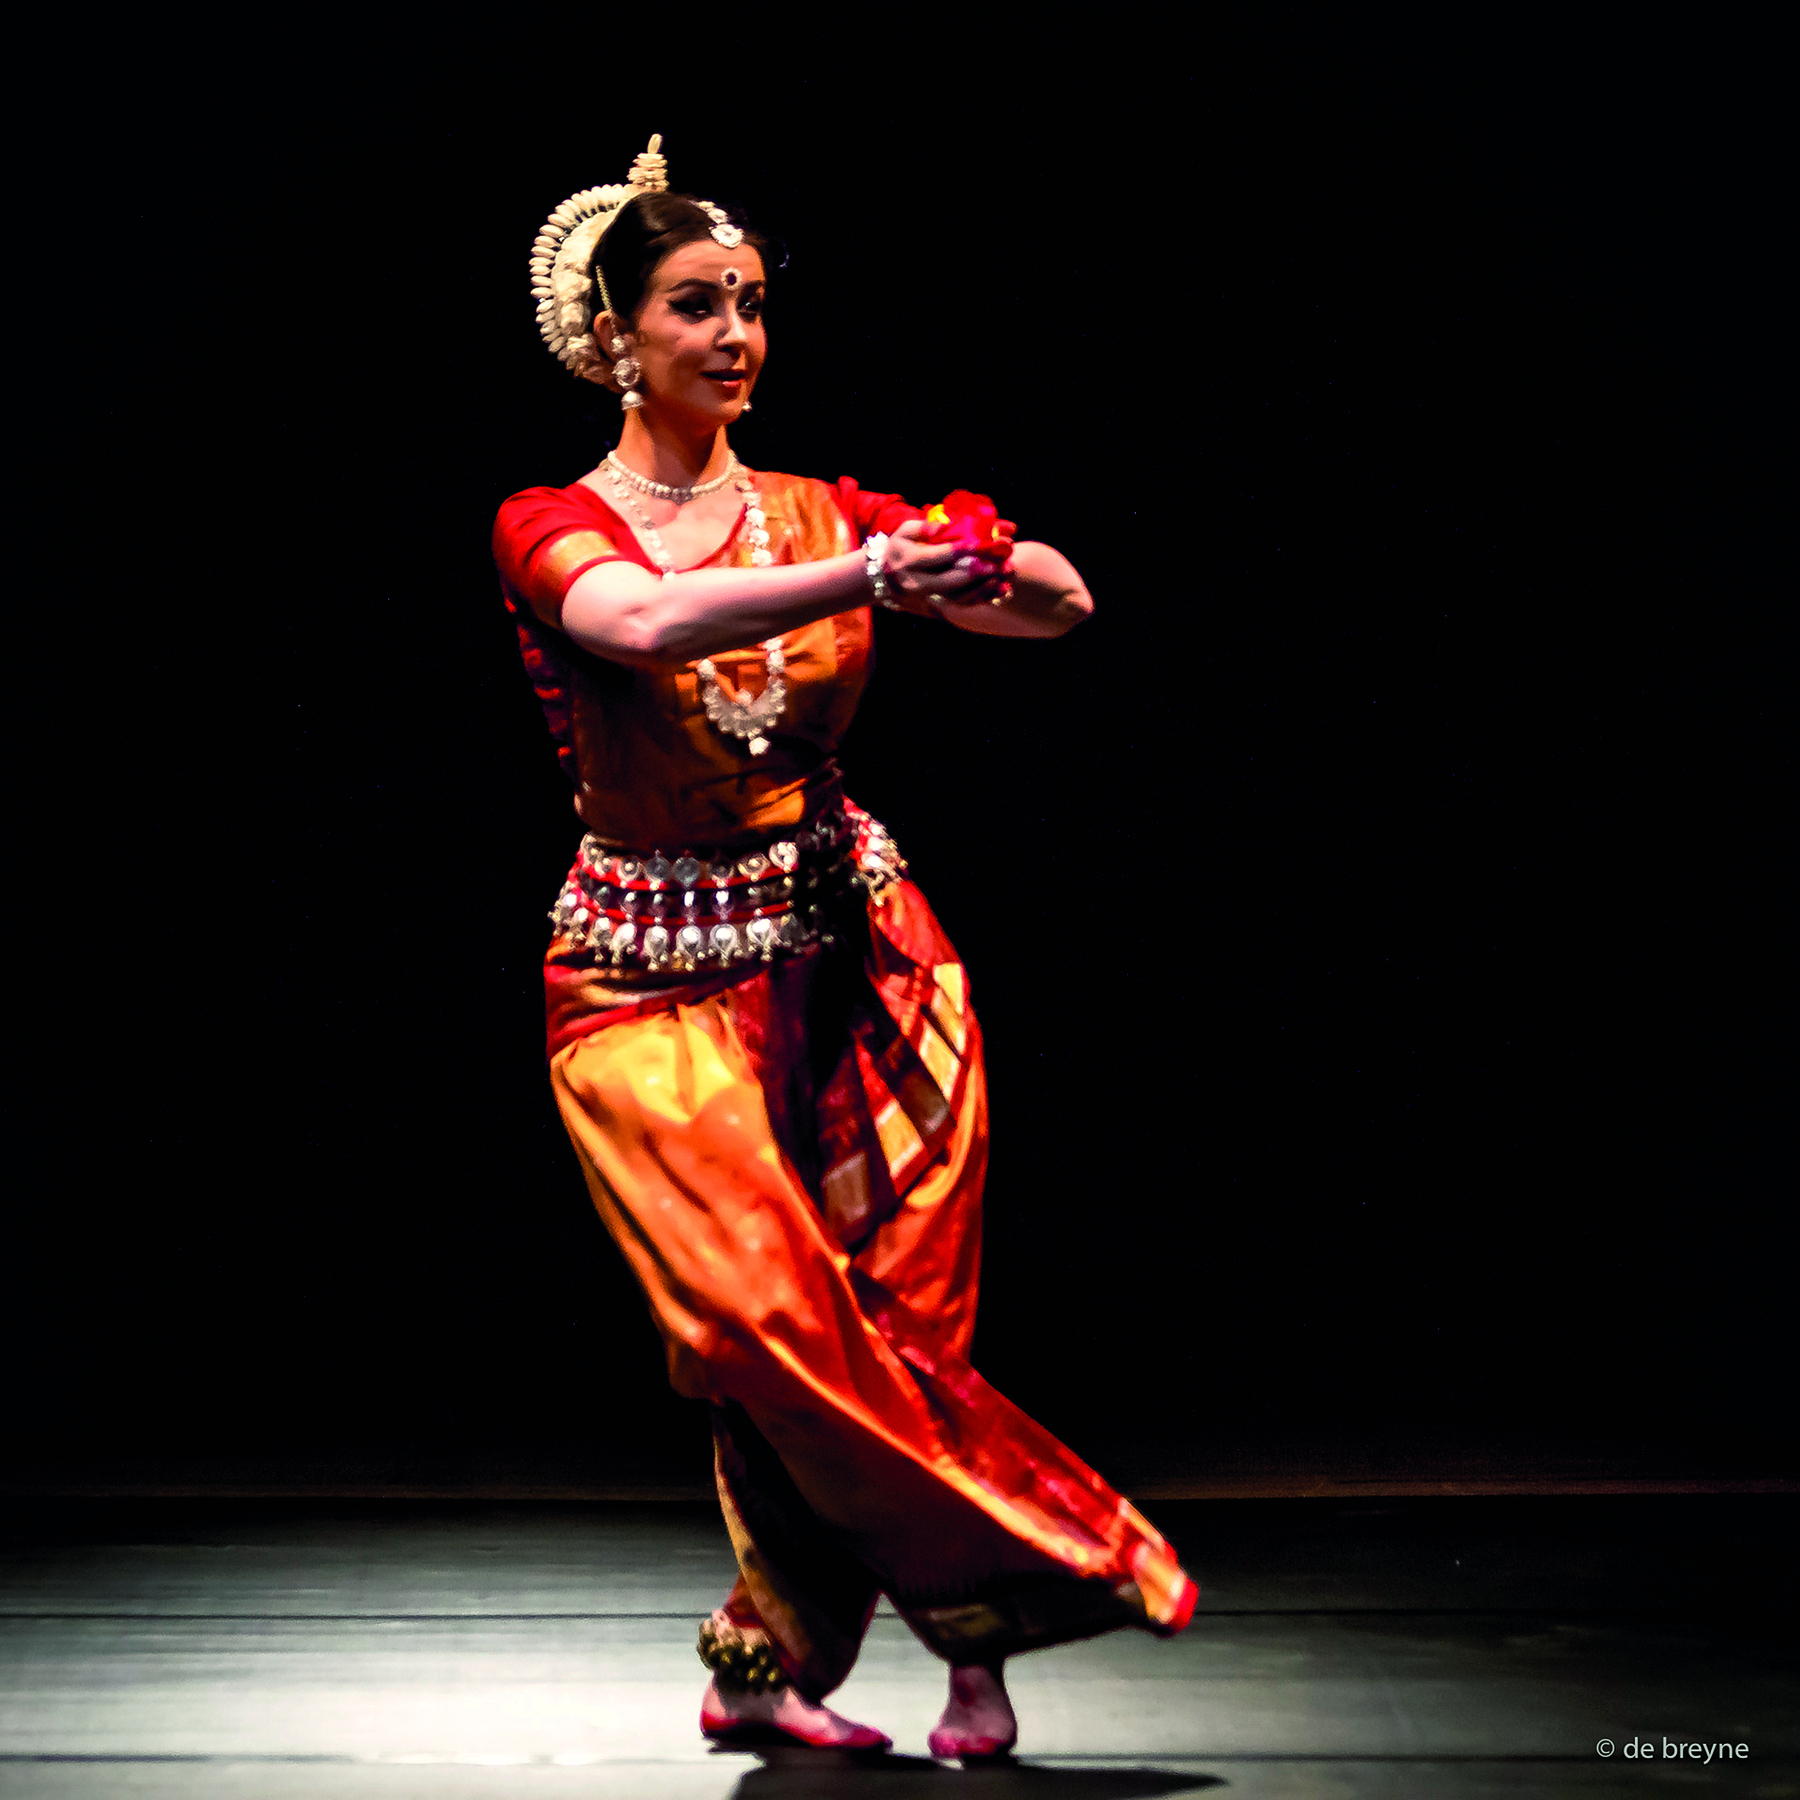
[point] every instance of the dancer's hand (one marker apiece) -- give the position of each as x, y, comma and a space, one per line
919, 571
1037, 594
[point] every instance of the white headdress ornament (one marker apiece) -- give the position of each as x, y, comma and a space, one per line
565, 270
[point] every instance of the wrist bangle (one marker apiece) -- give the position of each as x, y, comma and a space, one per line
874, 549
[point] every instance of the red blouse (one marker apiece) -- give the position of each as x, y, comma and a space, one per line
649, 771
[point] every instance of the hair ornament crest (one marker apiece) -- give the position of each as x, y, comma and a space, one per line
565, 271
724, 233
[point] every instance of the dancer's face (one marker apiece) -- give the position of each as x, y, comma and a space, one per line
699, 336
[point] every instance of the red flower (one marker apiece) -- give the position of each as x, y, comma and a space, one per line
973, 524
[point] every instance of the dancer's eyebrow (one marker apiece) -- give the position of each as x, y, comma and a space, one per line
700, 281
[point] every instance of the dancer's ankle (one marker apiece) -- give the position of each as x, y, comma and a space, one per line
978, 1720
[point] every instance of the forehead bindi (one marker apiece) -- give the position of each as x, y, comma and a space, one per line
733, 270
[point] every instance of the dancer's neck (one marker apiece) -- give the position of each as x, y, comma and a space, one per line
663, 454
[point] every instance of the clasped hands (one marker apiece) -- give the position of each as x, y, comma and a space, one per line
927, 574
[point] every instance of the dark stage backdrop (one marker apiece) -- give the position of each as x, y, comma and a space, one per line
1364, 1049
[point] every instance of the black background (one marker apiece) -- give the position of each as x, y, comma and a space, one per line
1363, 926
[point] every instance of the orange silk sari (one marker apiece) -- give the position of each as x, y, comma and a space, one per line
791, 1158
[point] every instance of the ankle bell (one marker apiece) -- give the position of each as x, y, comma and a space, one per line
743, 1661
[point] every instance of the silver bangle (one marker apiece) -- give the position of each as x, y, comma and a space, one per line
874, 550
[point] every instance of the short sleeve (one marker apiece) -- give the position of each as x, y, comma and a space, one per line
869, 513
543, 539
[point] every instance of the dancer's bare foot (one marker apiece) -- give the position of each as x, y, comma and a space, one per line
978, 1721
734, 1717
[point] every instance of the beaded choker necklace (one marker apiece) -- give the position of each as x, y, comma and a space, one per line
623, 471
751, 720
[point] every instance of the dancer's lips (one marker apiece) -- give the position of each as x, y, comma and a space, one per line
725, 377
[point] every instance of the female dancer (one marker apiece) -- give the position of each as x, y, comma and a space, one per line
760, 1040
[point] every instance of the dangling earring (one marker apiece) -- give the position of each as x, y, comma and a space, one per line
625, 373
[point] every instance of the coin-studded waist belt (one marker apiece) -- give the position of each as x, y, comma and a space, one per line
695, 909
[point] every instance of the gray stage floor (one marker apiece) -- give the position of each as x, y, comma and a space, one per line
1413, 1647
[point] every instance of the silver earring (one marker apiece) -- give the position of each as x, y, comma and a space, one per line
625, 373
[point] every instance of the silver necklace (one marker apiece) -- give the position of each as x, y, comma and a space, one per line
750, 720
661, 489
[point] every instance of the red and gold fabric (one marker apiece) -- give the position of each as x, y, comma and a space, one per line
647, 766
791, 1155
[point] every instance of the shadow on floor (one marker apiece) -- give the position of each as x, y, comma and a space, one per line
806, 1775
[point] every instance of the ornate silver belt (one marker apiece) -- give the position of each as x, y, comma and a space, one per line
694, 909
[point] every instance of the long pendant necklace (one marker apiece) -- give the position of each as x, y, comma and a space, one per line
750, 720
